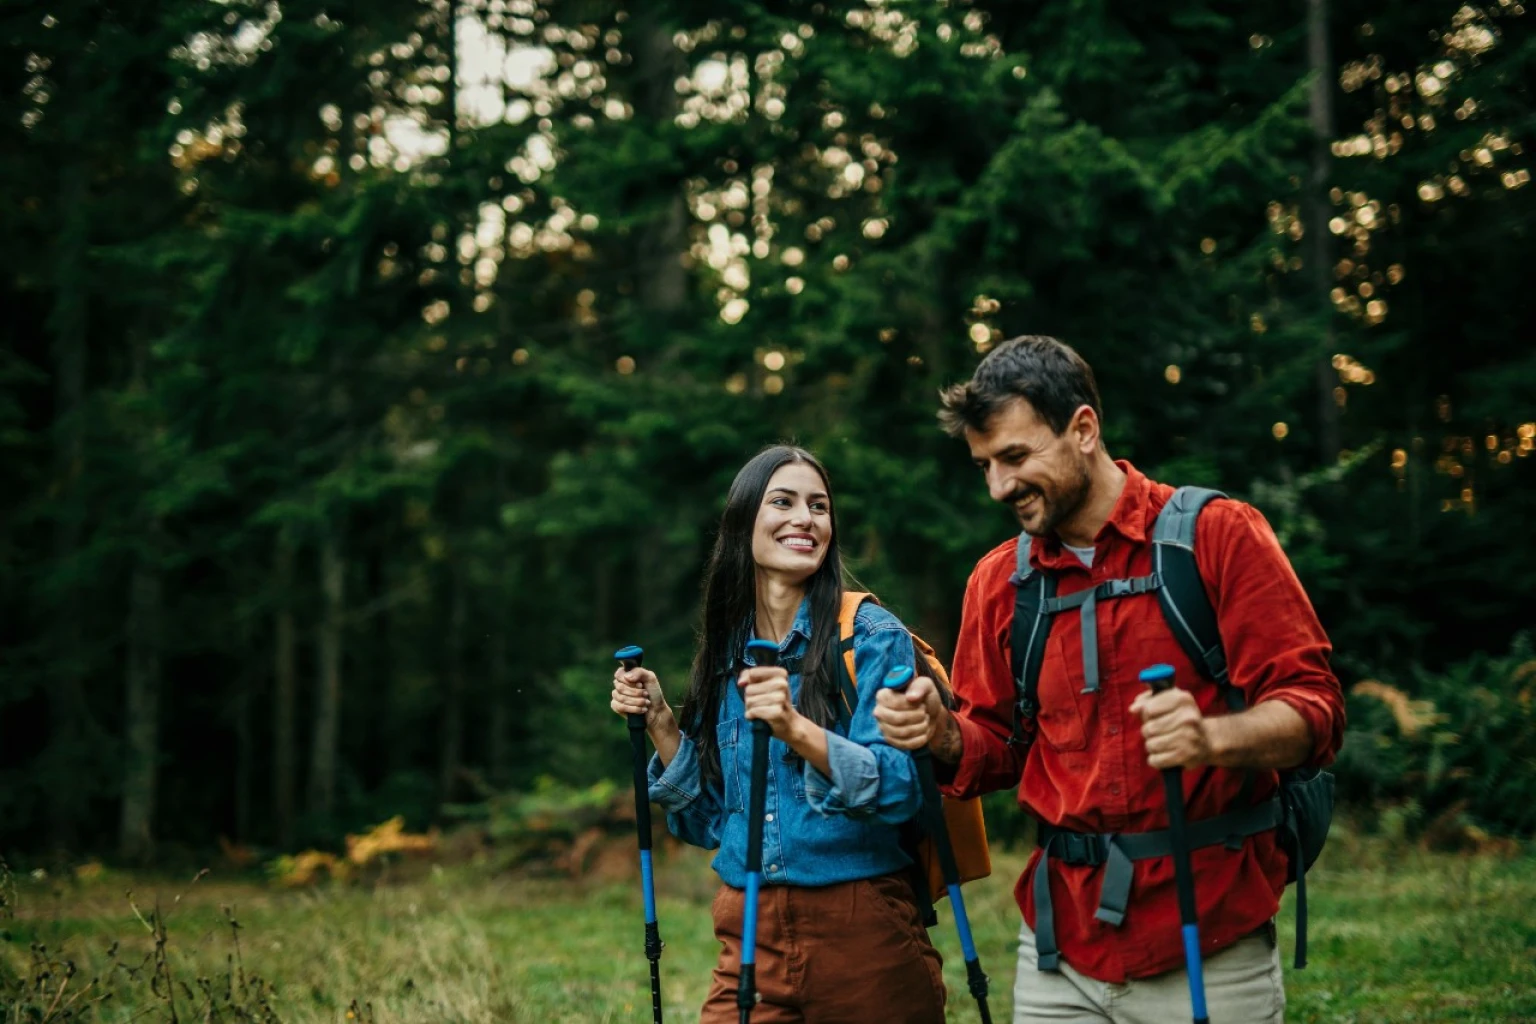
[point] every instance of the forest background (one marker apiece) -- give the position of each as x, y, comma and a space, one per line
373, 370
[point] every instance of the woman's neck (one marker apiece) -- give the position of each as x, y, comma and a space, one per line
777, 604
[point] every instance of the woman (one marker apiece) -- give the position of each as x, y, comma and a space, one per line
839, 935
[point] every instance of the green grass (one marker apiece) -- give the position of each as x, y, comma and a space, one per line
1397, 935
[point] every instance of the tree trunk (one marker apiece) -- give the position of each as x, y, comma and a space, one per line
322, 761
500, 718
662, 243
453, 697
285, 692
142, 718
245, 752
65, 782
1320, 115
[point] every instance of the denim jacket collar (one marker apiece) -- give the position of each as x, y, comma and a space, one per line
794, 641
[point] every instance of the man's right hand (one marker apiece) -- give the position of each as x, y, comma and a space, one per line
911, 718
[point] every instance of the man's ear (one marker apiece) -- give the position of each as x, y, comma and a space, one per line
1084, 429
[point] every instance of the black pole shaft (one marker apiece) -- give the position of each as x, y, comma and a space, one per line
757, 796
1160, 678
1183, 875
653, 943
938, 831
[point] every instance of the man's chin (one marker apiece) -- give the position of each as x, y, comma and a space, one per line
1035, 526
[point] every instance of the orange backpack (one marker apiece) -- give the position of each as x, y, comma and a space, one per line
967, 829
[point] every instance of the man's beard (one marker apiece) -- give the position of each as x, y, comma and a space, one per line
1056, 508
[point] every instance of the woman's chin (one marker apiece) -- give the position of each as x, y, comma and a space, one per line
795, 570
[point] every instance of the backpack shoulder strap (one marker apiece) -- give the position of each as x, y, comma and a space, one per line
847, 674
1185, 604
1031, 626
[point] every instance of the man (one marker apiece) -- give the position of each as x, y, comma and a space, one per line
1088, 763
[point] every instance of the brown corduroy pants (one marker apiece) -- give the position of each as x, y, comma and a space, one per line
853, 953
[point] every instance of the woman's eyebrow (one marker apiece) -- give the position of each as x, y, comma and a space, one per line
795, 494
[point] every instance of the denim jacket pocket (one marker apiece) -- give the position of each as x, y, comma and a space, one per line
732, 766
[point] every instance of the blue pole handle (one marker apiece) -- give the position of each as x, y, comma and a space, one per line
898, 678
632, 657
764, 652
1158, 677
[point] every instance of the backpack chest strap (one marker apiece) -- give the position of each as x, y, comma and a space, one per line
1088, 603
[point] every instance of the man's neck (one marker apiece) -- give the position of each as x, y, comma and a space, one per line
1106, 482
778, 602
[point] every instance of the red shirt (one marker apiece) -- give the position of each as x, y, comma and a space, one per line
1087, 767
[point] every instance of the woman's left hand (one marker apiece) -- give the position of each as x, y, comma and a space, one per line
765, 691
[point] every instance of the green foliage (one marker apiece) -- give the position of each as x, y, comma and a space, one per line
291, 291
1452, 752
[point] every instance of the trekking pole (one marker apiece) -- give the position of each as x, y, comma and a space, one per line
1160, 678
630, 657
933, 809
766, 654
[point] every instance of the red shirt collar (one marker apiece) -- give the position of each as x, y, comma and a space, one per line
1128, 519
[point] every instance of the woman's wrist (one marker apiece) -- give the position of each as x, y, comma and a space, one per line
664, 725
802, 734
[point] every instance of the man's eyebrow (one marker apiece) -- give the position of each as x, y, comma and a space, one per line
1019, 447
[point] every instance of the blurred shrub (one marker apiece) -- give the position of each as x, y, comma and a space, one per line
367, 852
553, 824
1448, 756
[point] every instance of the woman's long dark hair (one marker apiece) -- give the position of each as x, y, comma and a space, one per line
730, 598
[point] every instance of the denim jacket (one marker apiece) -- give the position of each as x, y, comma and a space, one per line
816, 830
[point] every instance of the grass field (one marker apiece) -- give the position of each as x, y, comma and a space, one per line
1397, 935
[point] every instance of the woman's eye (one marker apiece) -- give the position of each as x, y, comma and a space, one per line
819, 506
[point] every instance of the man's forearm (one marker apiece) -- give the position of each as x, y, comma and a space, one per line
947, 745
1271, 734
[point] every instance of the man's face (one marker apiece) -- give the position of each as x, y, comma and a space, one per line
1043, 476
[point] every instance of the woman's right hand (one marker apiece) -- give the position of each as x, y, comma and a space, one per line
637, 691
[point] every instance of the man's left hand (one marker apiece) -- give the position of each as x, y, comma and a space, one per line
1177, 735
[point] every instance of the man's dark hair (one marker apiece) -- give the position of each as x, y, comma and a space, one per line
1046, 373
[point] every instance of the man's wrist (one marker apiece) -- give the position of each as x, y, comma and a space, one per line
1218, 740
947, 744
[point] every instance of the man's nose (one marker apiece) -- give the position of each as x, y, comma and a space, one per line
998, 485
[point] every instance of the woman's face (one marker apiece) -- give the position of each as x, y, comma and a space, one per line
794, 523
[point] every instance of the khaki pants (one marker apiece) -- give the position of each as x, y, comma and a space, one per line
854, 953
1242, 984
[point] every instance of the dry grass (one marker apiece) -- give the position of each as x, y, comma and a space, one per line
1397, 936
